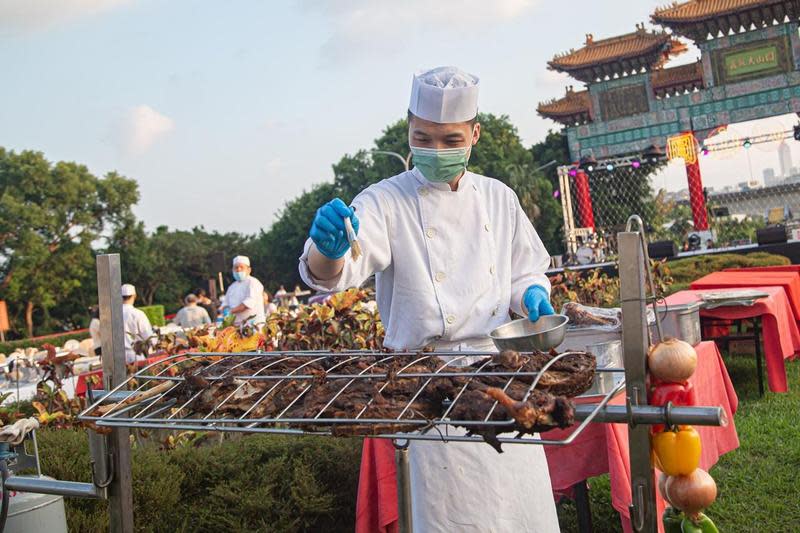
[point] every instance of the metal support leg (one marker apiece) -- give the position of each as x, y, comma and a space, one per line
583, 507
757, 350
635, 344
112, 331
404, 518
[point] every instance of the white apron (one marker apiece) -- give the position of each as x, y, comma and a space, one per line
469, 487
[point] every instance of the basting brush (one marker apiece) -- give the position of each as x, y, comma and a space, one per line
355, 246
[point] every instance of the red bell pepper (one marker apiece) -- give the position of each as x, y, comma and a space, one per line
681, 394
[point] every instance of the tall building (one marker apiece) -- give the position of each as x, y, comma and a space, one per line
770, 178
785, 157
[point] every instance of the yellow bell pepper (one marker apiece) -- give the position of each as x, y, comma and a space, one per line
677, 453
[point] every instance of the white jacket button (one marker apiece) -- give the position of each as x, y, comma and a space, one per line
430, 233
451, 319
492, 270
486, 227
440, 276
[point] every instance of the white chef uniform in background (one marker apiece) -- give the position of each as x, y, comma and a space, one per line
249, 292
448, 267
136, 324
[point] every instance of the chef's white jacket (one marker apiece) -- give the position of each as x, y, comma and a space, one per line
249, 292
448, 264
137, 328
448, 267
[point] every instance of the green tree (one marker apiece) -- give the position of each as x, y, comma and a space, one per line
50, 215
168, 264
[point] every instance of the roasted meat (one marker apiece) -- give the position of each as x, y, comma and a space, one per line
386, 394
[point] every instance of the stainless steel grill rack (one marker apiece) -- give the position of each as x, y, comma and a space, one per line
164, 411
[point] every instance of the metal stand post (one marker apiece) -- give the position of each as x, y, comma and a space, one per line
635, 343
112, 331
404, 519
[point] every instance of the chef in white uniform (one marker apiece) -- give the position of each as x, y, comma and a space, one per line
137, 325
452, 253
245, 296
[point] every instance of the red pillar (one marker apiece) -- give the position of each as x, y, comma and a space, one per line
696, 198
583, 200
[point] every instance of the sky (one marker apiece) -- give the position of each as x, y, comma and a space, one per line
224, 111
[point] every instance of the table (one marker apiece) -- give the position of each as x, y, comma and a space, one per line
780, 333
572, 465
81, 387
790, 281
376, 510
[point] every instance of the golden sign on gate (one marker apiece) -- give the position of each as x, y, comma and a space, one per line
682, 146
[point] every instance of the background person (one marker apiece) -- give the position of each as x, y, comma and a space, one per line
191, 315
137, 326
94, 329
245, 296
205, 302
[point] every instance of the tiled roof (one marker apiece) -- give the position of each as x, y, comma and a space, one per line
574, 107
697, 10
626, 46
677, 79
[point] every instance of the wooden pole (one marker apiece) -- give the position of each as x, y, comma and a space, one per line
112, 335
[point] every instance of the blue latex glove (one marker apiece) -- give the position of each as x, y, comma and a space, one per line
327, 230
537, 301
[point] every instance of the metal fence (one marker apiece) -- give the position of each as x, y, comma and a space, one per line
598, 196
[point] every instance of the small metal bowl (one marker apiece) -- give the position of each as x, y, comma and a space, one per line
525, 336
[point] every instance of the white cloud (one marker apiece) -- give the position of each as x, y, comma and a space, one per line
379, 27
141, 127
27, 16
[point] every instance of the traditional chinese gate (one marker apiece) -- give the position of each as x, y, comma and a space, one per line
633, 104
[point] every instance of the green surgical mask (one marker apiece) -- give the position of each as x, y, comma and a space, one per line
440, 166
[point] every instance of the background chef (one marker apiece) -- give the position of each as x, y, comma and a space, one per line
245, 296
452, 253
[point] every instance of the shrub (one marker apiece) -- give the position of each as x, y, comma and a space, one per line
686, 270
155, 313
246, 483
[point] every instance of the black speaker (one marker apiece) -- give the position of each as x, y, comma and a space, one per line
772, 235
217, 261
662, 249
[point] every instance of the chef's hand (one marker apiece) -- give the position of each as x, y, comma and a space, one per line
537, 302
327, 230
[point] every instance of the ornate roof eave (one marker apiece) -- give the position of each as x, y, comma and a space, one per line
677, 80
696, 19
574, 108
622, 55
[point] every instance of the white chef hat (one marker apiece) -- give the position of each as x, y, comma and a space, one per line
127, 290
241, 260
445, 95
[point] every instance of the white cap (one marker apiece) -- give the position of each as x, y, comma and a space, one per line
445, 95
128, 290
241, 260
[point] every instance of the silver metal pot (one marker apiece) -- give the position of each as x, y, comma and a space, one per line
524, 336
607, 353
680, 321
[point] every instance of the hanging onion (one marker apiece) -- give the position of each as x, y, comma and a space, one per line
662, 487
672, 360
693, 493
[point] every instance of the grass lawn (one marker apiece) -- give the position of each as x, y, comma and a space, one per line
759, 483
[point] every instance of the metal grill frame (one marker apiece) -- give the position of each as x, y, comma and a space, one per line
149, 413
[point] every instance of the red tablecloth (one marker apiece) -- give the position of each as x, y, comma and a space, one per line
581, 460
81, 387
780, 334
376, 510
790, 281
775, 268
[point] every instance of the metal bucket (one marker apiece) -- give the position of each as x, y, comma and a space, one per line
680, 321
608, 355
29, 511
